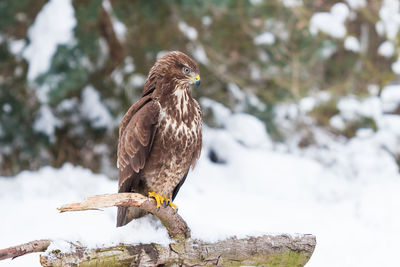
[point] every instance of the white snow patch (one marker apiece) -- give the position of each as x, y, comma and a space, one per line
248, 130
188, 31
16, 47
292, 3
119, 27
356, 4
220, 112
94, 110
161, 53
396, 65
386, 49
331, 23
390, 97
206, 21
351, 43
266, 38
389, 19
137, 80
53, 26
7, 108
200, 55
46, 122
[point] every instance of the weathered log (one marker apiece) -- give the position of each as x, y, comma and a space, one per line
30, 247
176, 226
267, 250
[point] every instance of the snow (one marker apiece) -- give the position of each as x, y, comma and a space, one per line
118, 26
356, 4
386, 49
266, 38
390, 97
200, 55
331, 23
188, 31
206, 21
16, 46
53, 26
46, 122
351, 43
94, 110
292, 3
389, 22
396, 65
7, 108
247, 130
137, 80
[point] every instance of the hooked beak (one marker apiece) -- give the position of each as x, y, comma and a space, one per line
195, 80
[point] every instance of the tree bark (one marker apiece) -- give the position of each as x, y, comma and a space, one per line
267, 250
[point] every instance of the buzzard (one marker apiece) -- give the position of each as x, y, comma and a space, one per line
160, 135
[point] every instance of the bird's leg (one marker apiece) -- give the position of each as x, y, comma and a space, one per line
160, 199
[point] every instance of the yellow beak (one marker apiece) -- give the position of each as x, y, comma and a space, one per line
195, 80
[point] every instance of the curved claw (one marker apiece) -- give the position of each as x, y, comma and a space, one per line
162, 200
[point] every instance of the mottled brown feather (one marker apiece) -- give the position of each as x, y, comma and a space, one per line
160, 135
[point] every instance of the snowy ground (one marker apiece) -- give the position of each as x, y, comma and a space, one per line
345, 193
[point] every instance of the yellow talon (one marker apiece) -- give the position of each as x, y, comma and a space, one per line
160, 199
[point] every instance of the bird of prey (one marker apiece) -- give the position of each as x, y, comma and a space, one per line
160, 135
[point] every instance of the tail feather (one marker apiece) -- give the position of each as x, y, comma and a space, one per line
127, 214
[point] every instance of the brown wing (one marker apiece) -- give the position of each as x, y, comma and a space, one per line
136, 135
137, 131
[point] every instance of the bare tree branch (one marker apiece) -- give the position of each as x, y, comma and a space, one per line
176, 226
30, 247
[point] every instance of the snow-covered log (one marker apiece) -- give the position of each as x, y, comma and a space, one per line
267, 250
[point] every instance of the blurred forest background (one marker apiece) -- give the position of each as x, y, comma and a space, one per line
63, 94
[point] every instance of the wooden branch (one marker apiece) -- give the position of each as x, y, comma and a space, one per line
267, 250
30, 247
176, 226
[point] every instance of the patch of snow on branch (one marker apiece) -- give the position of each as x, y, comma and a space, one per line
94, 110
389, 19
331, 23
386, 49
53, 26
356, 4
351, 43
292, 3
16, 46
46, 122
390, 97
266, 38
396, 65
119, 27
188, 31
200, 55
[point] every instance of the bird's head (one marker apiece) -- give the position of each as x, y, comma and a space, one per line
175, 67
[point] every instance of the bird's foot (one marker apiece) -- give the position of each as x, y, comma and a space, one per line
162, 200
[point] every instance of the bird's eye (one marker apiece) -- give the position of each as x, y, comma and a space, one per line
186, 70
